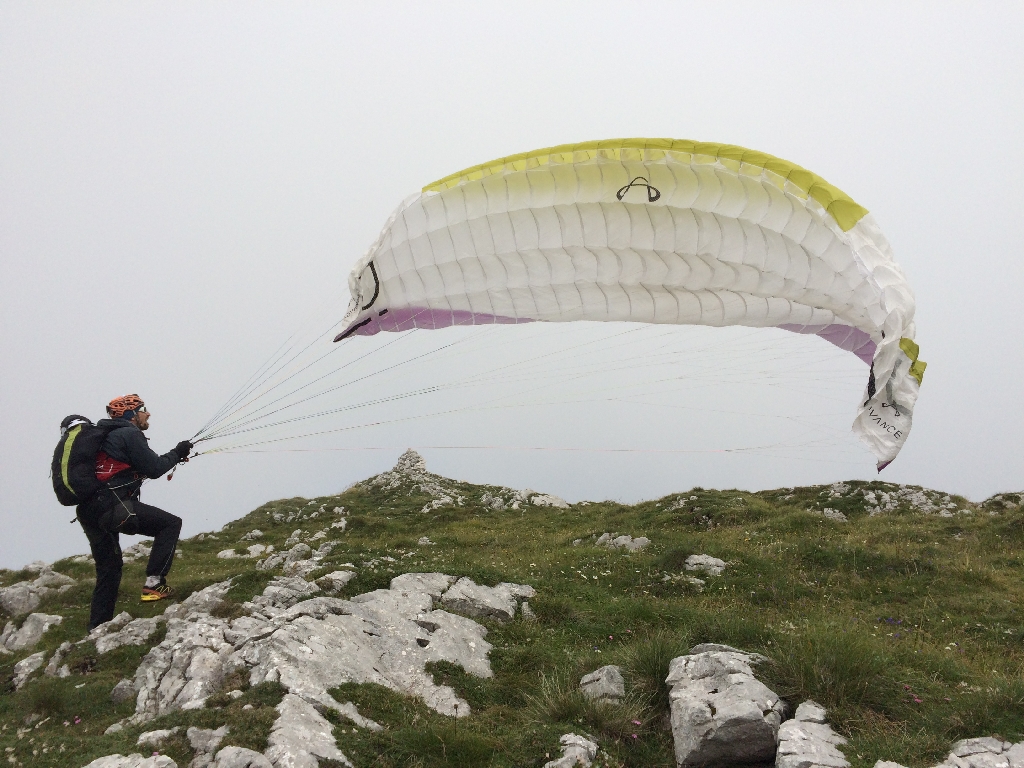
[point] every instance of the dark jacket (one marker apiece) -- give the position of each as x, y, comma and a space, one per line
127, 443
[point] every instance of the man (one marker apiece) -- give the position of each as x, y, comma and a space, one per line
123, 464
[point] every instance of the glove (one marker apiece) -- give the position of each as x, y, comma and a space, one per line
183, 449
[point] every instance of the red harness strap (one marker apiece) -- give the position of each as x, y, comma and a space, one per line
107, 467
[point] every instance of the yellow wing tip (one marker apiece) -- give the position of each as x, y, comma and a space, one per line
839, 205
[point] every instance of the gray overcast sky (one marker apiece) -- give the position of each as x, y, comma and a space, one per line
182, 183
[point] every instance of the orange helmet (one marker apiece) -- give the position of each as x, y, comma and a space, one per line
119, 405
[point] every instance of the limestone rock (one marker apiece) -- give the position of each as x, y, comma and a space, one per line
135, 632
32, 631
385, 637
720, 713
240, 757
53, 666
138, 551
626, 542
576, 751
335, 581
21, 598
184, 669
201, 602
155, 738
253, 550
424, 541
807, 741
752, 658
548, 500
299, 561
205, 742
252, 535
832, 514
712, 566
410, 473
124, 690
431, 583
50, 579
604, 684
132, 761
810, 712
114, 625
24, 668
299, 733
284, 592
273, 561
984, 752
298, 552
888, 764
472, 599
312, 645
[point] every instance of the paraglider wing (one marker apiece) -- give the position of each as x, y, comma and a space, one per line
655, 231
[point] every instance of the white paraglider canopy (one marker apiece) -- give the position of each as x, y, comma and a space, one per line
652, 231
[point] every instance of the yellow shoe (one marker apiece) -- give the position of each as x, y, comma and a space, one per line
159, 592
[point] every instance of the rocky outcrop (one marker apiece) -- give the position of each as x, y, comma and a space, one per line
721, 714
499, 602
300, 735
807, 741
410, 475
25, 596
300, 560
384, 637
712, 566
135, 552
604, 684
253, 550
205, 742
549, 500
576, 751
56, 667
184, 669
134, 632
132, 761
30, 632
433, 584
205, 600
282, 592
155, 738
984, 752
626, 542
335, 581
311, 643
240, 757
124, 690
24, 668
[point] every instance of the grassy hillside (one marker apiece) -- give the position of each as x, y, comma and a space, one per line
905, 624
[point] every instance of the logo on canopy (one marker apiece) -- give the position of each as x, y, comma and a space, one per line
653, 193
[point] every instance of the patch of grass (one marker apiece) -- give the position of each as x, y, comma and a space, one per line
646, 662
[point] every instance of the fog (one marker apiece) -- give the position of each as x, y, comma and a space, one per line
183, 185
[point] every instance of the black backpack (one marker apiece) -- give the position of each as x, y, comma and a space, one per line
73, 470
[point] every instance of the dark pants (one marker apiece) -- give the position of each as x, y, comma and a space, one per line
106, 551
